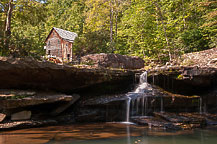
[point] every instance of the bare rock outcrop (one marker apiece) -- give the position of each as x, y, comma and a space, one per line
113, 61
28, 73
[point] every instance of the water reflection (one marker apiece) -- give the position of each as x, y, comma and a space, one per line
106, 133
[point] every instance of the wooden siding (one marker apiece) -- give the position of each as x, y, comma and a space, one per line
56, 46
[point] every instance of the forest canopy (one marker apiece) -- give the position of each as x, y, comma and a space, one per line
151, 29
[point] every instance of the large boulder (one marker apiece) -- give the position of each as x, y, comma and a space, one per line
113, 61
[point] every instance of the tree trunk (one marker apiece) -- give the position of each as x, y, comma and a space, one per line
183, 8
111, 25
164, 28
116, 25
8, 19
7, 31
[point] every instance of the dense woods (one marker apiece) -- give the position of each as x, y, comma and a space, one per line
151, 29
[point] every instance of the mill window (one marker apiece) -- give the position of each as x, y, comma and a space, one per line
68, 56
48, 52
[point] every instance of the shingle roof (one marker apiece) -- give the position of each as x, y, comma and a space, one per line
67, 35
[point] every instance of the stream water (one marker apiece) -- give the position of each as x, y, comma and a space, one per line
107, 133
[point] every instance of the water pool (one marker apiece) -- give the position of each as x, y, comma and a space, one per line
107, 133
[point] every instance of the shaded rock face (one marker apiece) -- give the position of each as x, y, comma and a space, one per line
113, 61
23, 115
184, 80
109, 108
199, 81
2, 117
28, 73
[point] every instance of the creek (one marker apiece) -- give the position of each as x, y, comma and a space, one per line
107, 133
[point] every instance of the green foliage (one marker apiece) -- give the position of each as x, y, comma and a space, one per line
180, 77
155, 30
91, 42
210, 17
195, 40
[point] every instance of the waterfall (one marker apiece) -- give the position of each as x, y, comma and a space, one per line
146, 105
137, 105
204, 108
161, 105
140, 100
200, 106
128, 109
143, 101
142, 83
132, 105
137, 102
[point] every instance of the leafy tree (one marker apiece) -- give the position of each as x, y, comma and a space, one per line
152, 29
22, 21
65, 14
194, 40
210, 17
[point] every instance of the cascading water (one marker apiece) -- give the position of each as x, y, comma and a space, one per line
128, 109
200, 106
143, 106
161, 105
146, 105
142, 83
138, 101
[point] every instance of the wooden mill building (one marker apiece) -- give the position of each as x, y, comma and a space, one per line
59, 44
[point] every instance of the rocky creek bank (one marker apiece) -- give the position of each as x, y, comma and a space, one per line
36, 93
22, 108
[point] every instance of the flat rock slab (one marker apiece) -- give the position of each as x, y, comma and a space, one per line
206, 118
2, 117
26, 124
177, 121
23, 115
37, 99
186, 118
153, 122
29, 73
172, 117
